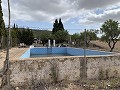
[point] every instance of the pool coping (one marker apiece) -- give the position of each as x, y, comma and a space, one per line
93, 56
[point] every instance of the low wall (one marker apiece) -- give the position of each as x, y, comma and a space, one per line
25, 72
108, 65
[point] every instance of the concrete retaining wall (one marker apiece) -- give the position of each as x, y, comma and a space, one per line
24, 72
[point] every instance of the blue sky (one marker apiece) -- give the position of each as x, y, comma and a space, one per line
76, 15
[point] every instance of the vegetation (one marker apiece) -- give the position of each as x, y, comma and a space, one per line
39, 33
14, 35
79, 39
57, 26
61, 36
2, 29
26, 36
111, 31
58, 32
44, 37
21, 36
89, 36
75, 37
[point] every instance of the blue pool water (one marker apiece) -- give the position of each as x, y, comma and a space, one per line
60, 51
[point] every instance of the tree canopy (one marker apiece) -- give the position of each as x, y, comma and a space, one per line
58, 32
60, 36
111, 31
45, 36
21, 36
89, 36
57, 26
2, 27
27, 36
75, 36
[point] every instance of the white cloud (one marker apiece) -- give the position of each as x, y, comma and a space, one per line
48, 10
92, 4
109, 14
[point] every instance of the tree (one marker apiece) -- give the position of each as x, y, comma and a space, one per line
44, 37
75, 38
2, 27
23, 35
61, 36
89, 36
30, 37
19, 34
60, 25
111, 31
57, 26
14, 35
27, 36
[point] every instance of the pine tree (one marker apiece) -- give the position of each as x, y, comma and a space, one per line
55, 26
2, 27
29, 37
60, 25
23, 33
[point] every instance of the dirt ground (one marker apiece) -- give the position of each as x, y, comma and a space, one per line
104, 46
15, 53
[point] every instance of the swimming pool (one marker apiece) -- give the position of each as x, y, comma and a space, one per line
61, 51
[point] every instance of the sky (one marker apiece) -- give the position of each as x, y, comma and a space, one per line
76, 15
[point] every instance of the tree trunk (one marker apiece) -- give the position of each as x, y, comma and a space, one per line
112, 46
8, 47
111, 49
2, 43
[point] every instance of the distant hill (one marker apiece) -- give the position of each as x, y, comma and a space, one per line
37, 33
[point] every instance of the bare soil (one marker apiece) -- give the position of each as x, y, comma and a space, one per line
104, 46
